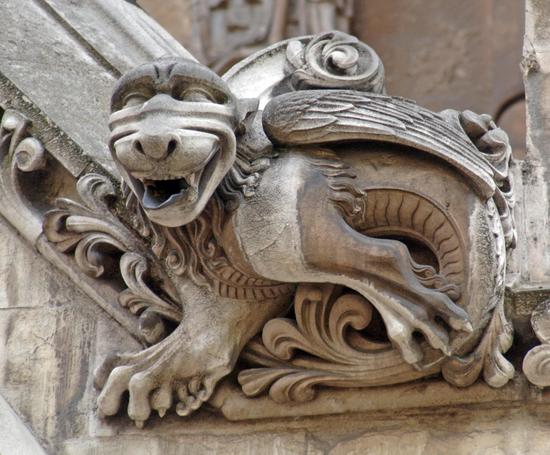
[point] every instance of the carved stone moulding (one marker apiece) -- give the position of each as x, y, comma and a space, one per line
288, 220
40, 164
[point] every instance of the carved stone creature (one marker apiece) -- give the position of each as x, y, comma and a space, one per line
335, 191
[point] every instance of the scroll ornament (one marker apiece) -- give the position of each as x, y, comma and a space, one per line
21, 153
536, 363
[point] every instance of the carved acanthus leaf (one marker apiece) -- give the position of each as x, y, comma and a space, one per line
327, 344
139, 296
103, 247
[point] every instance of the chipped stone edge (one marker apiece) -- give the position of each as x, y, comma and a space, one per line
16, 439
232, 403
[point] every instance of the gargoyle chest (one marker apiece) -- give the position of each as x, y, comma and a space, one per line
196, 251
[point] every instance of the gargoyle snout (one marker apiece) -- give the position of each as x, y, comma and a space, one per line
157, 146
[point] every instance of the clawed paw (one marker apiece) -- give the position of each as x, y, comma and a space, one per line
483, 132
432, 314
156, 379
193, 394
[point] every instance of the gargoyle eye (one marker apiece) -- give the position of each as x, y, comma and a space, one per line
196, 95
134, 99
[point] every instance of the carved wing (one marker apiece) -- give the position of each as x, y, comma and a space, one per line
325, 116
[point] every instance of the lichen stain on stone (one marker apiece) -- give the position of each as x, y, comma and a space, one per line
530, 63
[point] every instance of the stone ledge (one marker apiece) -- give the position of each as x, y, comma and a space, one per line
425, 397
234, 405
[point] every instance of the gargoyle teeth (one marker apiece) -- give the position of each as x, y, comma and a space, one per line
161, 178
194, 178
191, 180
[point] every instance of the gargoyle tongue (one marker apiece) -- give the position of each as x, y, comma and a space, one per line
158, 192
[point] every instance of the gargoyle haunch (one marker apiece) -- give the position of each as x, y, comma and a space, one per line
292, 215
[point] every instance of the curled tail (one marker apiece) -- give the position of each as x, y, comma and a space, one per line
433, 238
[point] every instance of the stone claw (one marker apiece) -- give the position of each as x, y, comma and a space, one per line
139, 423
154, 377
421, 316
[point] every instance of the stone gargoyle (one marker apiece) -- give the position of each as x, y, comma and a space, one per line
292, 215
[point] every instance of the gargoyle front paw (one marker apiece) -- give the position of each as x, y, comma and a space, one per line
424, 315
484, 133
155, 378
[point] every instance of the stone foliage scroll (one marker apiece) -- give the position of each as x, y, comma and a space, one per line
536, 364
21, 153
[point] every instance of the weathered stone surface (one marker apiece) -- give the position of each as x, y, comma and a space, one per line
229, 204
52, 336
48, 338
481, 432
482, 439
533, 260
71, 81
15, 435
465, 55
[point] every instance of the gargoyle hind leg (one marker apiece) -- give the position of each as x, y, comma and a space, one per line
185, 367
384, 272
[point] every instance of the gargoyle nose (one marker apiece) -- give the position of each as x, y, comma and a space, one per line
156, 146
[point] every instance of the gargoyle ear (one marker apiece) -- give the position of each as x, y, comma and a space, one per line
245, 107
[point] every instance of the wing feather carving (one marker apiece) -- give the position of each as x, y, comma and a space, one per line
325, 116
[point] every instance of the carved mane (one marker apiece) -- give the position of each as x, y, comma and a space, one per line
194, 250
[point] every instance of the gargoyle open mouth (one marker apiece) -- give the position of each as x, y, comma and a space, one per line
158, 191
